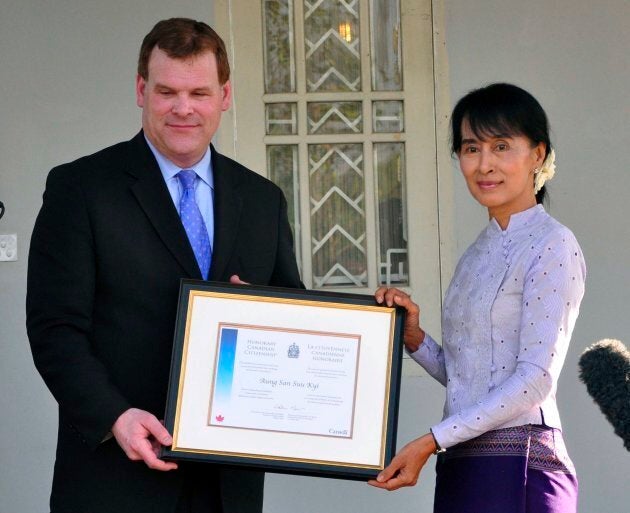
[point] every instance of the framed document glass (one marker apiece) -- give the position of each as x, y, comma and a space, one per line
284, 380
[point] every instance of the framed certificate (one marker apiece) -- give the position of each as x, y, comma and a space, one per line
284, 380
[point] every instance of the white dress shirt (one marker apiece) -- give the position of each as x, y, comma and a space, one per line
507, 321
204, 185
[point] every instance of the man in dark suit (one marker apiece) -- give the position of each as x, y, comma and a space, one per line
107, 254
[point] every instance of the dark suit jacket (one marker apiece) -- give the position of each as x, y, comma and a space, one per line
107, 255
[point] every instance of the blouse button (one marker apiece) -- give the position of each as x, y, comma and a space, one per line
493, 368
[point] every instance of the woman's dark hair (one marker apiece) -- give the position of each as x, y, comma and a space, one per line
499, 110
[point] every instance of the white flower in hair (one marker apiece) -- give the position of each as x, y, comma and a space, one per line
546, 171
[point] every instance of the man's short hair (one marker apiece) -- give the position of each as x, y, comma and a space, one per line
181, 38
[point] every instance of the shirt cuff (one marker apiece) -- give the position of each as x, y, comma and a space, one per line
424, 349
429, 356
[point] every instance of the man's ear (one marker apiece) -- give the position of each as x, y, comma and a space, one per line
140, 88
226, 90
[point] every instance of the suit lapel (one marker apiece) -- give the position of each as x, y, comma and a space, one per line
154, 198
227, 211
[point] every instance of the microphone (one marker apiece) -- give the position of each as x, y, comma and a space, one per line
605, 370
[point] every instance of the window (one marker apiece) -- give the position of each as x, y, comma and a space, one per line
334, 100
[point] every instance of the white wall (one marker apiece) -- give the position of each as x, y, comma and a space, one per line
67, 89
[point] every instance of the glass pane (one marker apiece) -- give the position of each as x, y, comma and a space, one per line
388, 116
386, 45
331, 45
338, 228
278, 46
335, 117
282, 163
389, 163
281, 118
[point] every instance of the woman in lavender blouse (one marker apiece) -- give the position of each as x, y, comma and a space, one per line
507, 321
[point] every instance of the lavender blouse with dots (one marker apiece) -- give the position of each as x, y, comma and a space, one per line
507, 321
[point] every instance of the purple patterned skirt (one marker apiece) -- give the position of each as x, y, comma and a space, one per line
524, 469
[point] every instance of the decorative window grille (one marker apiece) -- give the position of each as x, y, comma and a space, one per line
335, 135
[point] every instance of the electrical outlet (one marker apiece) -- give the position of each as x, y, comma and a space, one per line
8, 248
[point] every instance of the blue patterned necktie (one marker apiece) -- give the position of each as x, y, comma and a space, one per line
193, 222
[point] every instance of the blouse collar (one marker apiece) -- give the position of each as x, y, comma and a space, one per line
519, 220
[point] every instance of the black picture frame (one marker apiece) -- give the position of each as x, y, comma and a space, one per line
204, 306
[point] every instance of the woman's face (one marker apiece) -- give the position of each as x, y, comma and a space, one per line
499, 171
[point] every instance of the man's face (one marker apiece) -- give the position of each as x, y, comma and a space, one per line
182, 102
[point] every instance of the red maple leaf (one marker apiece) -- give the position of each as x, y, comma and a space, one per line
220, 418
